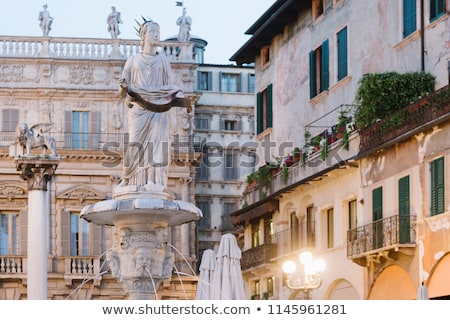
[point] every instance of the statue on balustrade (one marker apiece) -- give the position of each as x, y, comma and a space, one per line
185, 23
45, 21
113, 23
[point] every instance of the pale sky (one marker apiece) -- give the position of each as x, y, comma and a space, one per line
222, 23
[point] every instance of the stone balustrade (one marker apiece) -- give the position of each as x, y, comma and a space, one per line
87, 48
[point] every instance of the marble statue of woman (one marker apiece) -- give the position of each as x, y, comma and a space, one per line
145, 82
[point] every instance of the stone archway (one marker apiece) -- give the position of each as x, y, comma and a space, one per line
438, 284
393, 283
342, 289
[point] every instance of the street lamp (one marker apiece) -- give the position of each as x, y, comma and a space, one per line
311, 269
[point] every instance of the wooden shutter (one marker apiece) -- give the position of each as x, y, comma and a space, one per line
342, 53
269, 114
403, 196
65, 233
68, 129
259, 113
312, 74
10, 119
325, 81
94, 129
409, 17
437, 201
404, 210
23, 221
377, 204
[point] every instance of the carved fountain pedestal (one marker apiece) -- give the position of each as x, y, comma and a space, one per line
141, 258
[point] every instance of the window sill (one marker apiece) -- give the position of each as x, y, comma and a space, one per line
263, 134
406, 41
319, 97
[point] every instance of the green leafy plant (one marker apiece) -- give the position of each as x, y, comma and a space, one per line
381, 94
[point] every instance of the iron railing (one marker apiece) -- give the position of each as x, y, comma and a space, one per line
381, 234
108, 142
257, 256
405, 120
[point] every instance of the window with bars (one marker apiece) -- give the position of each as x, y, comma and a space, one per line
319, 69
437, 187
9, 242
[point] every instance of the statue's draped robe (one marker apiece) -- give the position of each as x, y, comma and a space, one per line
148, 153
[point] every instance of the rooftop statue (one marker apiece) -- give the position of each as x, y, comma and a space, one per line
45, 21
185, 23
113, 21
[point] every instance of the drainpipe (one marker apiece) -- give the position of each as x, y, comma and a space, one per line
422, 35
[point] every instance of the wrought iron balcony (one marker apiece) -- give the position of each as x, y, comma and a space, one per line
430, 110
258, 256
112, 144
385, 234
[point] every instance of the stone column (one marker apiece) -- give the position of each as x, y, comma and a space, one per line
37, 172
185, 227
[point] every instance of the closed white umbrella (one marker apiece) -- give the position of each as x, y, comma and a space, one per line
206, 275
422, 293
228, 283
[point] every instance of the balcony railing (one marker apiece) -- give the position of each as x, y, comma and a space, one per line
383, 234
81, 268
12, 265
429, 109
87, 49
258, 256
110, 143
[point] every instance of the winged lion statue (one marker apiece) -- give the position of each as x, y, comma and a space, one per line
35, 137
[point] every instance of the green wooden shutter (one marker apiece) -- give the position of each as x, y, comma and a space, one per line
403, 196
404, 210
269, 114
377, 216
437, 201
342, 53
409, 17
325, 81
377, 204
259, 113
312, 75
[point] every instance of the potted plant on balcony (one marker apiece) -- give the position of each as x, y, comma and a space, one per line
296, 154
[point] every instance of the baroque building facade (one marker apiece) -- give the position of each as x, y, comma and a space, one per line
373, 203
72, 84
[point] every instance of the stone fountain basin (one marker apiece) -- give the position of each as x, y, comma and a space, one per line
154, 211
